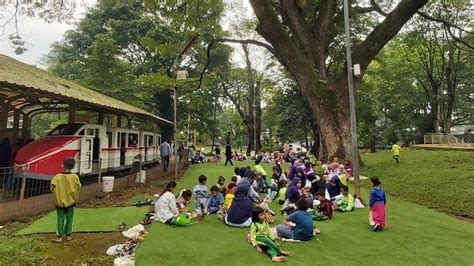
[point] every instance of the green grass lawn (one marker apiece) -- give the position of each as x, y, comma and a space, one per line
442, 180
415, 235
90, 220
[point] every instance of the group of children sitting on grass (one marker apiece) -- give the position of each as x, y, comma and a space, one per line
315, 190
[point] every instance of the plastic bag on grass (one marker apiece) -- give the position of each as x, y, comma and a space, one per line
182, 220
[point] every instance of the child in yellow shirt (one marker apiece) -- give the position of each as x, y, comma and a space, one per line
65, 187
230, 195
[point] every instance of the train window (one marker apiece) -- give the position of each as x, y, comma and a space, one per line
90, 132
150, 140
65, 129
132, 140
109, 137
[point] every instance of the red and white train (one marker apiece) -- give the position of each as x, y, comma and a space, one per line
87, 143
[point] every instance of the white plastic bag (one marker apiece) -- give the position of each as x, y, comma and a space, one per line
124, 261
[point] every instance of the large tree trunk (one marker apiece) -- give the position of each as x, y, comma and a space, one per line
334, 124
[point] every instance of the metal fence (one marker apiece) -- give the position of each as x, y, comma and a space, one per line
17, 183
441, 138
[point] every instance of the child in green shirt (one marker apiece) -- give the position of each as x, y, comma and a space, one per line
262, 238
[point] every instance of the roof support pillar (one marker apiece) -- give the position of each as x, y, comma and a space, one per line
72, 113
16, 125
26, 127
119, 121
129, 122
101, 118
3, 117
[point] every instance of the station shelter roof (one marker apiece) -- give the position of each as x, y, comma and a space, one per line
31, 89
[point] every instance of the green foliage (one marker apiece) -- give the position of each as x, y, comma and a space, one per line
126, 49
287, 116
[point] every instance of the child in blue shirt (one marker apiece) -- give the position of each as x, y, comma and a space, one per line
302, 229
215, 202
200, 198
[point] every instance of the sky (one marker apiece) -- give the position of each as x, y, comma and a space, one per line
37, 33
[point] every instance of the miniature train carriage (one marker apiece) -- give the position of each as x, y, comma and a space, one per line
93, 147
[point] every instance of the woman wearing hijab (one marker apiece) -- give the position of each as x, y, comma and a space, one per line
293, 191
240, 212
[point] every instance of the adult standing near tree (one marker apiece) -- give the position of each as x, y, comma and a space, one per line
228, 154
165, 152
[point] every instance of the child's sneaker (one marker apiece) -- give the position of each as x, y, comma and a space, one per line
68, 238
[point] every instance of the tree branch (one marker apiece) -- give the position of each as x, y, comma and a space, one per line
298, 25
209, 49
448, 27
365, 52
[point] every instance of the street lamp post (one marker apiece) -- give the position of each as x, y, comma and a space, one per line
175, 95
350, 80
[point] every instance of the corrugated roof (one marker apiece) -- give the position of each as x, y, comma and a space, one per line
42, 83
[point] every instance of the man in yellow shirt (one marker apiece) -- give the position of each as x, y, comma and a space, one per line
396, 149
65, 187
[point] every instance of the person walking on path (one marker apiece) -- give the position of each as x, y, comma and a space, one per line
228, 154
165, 152
396, 149
65, 187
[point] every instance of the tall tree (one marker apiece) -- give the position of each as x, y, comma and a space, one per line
303, 35
436, 59
127, 48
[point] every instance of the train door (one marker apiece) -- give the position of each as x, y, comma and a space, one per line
87, 150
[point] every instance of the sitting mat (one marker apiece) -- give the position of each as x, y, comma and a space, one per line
90, 220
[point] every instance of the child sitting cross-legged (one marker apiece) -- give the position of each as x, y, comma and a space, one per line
346, 203
262, 238
324, 210
298, 225
183, 200
282, 191
230, 195
216, 201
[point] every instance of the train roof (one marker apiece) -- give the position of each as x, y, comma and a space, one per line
29, 87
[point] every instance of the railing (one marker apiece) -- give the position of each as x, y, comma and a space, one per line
441, 138
17, 183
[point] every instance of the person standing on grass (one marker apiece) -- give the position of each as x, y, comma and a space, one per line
377, 205
396, 149
65, 187
217, 150
165, 152
200, 198
228, 154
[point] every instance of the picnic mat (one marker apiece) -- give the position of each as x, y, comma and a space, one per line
90, 220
